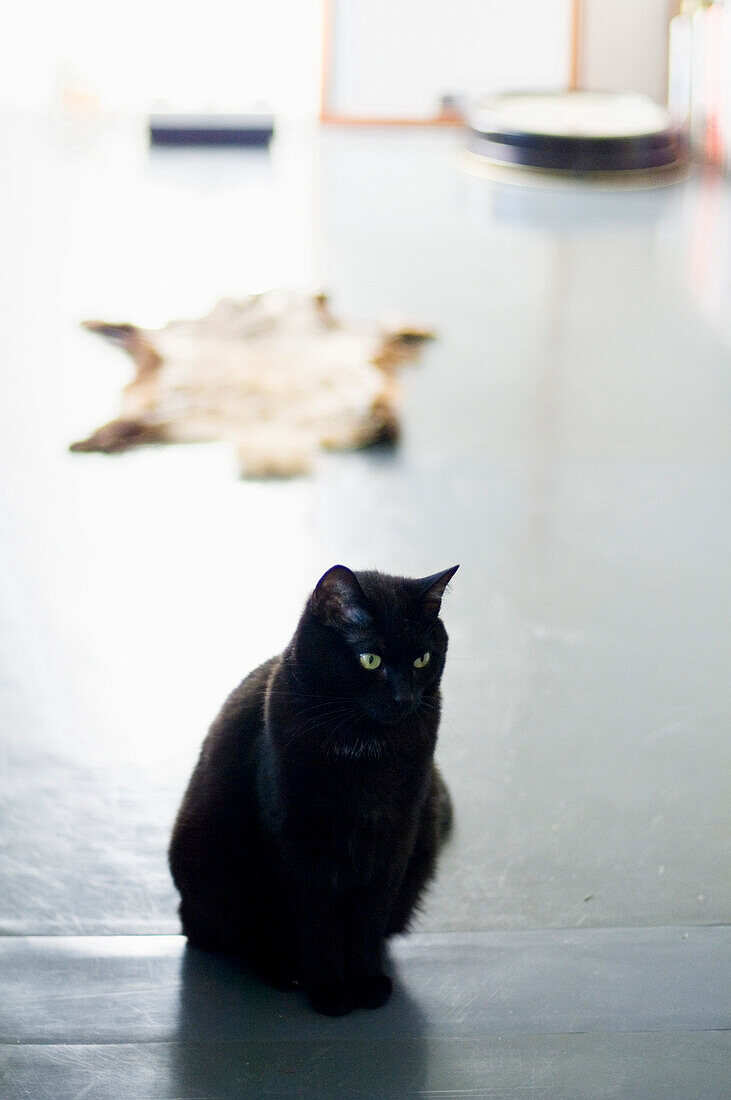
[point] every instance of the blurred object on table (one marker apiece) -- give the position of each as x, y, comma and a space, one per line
209, 129
586, 134
699, 78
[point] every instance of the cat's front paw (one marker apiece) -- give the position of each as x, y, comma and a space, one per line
372, 991
331, 998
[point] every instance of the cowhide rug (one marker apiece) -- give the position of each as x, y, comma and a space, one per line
276, 374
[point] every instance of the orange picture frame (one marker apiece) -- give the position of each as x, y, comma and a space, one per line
446, 118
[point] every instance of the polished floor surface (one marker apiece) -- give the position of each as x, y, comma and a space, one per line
630, 1014
566, 440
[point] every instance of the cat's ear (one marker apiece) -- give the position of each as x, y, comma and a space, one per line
339, 600
432, 589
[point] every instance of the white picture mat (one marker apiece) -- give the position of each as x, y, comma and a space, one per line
397, 58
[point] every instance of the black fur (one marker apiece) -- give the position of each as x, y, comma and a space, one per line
313, 818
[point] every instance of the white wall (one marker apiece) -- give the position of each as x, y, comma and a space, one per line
624, 46
398, 57
392, 56
225, 53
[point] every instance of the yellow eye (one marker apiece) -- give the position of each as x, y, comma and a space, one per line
423, 661
369, 660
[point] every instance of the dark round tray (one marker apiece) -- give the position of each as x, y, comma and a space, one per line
575, 132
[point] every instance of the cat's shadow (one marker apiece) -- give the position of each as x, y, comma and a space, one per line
236, 1037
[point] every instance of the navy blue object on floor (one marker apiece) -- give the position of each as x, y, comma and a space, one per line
203, 130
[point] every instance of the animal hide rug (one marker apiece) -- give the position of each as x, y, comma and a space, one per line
276, 374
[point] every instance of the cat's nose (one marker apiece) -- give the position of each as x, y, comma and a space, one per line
403, 699
402, 692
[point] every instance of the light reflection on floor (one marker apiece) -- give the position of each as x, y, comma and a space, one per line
566, 440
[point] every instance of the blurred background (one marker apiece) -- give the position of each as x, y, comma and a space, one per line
383, 61
565, 438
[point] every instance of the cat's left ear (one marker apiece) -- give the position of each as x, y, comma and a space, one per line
432, 589
339, 600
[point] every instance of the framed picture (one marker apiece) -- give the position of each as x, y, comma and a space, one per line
410, 62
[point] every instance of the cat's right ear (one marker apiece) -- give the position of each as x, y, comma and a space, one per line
338, 599
433, 589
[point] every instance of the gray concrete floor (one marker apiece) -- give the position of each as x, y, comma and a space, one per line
566, 440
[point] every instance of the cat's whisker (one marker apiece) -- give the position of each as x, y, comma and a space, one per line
353, 712
302, 695
422, 727
446, 716
334, 711
314, 723
352, 749
317, 708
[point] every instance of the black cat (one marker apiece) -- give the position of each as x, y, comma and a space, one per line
313, 818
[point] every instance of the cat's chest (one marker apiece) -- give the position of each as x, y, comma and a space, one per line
356, 811
360, 825
371, 837
370, 813
352, 824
